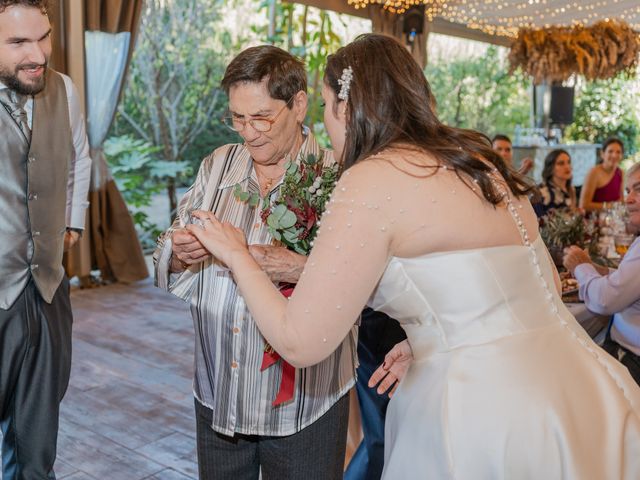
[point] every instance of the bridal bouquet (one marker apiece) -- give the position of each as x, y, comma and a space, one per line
293, 219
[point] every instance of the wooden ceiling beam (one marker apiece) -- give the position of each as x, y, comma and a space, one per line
439, 25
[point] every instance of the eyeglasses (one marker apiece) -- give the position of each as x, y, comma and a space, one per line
262, 125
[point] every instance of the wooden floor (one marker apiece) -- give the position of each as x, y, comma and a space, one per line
128, 412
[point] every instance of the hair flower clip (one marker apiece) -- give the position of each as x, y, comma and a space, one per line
345, 83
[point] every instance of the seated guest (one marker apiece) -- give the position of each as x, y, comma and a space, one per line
616, 292
503, 147
604, 182
555, 191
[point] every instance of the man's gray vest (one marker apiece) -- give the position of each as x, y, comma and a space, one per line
33, 195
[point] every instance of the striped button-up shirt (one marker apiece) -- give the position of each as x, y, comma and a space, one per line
229, 346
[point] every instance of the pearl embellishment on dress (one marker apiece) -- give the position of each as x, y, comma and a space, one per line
553, 306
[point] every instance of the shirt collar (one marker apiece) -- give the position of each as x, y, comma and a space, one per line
3, 87
242, 165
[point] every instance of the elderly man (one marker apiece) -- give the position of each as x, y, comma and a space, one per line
616, 292
240, 431
43, 196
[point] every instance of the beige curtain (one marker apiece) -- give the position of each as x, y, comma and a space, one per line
68, 40
109, 243
387, 23
113, 16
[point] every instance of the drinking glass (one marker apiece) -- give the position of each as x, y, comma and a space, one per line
622, 241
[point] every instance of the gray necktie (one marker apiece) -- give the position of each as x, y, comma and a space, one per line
14, 103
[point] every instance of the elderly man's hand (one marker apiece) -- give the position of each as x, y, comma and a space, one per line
186, 250
574, 256
281, 264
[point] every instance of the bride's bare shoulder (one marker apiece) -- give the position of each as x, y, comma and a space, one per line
398, 160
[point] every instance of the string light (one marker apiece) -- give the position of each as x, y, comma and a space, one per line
505, 17
432, 7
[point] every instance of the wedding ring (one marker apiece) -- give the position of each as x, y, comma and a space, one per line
195, 221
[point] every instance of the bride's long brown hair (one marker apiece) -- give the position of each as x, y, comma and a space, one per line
390, 104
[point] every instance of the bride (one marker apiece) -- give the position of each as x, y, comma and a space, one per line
428, 225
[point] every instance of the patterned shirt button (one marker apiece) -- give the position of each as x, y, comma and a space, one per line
234, 364
236, 330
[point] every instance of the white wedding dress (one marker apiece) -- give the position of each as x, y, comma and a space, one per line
505, 384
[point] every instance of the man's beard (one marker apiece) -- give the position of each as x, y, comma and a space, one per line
11, 80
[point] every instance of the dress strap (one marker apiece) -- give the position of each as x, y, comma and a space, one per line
507, 197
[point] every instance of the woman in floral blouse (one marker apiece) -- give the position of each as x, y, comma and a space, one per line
556, 190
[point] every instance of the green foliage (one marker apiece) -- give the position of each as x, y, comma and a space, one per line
139, 174
253, 199
562, 228
480, 93
294, 218
310, 34
606, 108
172, 99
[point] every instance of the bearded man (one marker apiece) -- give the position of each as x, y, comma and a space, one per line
43, 196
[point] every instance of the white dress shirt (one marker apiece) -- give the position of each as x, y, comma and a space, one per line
617, 294
80, 167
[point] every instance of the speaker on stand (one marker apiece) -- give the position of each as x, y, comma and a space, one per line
552, 109
561, 109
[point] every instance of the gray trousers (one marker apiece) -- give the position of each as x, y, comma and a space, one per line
314, 453
35, 360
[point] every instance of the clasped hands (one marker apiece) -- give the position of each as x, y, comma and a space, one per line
209, 236
197, 242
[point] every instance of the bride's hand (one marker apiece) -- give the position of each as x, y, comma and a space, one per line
222, 240
390, 373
